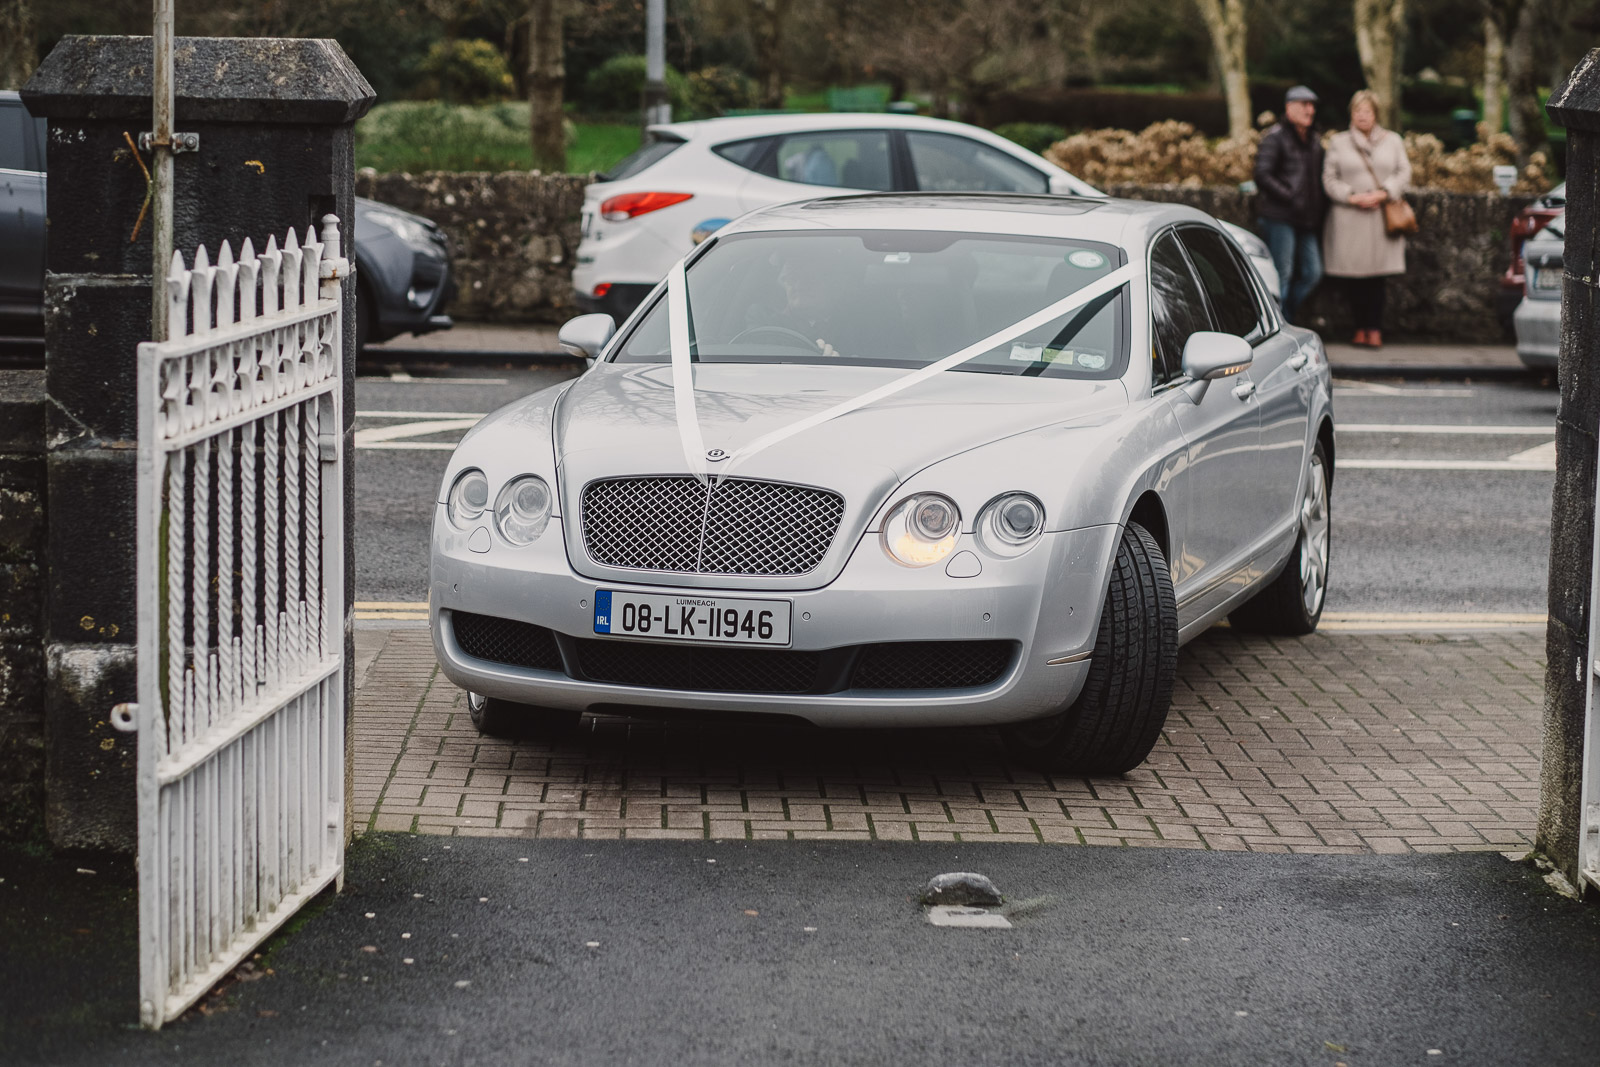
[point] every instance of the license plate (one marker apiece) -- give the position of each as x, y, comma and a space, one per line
713, 620
1547, 279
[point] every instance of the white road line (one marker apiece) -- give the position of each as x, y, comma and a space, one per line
378, 414
386, 380
1441, 465
412, 446
1367, 389
1465, 431
371, 437
1544, 455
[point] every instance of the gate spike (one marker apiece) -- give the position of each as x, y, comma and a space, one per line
201, 259
225, 257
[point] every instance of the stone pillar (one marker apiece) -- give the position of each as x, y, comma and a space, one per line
275, 119
1575, 105
22, 599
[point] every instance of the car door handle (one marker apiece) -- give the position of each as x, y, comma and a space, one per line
1245, 389
1298, 361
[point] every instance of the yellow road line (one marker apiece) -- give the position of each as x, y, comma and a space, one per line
401, 605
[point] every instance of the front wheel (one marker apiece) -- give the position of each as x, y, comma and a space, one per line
1292, 605
1118, 717
508, 719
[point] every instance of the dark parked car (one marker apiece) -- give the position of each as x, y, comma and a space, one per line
402, 260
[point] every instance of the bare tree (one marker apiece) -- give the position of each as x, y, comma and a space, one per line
1380, 39
546, 75
1494, 74
1524, 23
1229, 25
767, 18
19, 43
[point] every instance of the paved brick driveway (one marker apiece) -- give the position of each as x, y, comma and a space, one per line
1341, 742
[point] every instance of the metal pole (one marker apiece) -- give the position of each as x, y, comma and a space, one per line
161, 152
656, 106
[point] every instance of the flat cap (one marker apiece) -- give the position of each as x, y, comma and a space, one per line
1299, 92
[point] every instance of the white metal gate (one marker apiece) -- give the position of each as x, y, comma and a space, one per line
240, 709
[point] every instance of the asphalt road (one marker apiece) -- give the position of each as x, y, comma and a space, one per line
1445, 520
468, 951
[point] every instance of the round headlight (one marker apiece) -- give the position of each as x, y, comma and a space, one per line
921, 529
1010, 525
469, 495
522, 509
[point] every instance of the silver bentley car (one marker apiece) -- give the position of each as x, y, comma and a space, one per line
899, 460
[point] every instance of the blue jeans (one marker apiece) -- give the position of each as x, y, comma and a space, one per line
1298, 257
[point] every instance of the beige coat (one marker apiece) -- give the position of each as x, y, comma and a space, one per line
1354, 244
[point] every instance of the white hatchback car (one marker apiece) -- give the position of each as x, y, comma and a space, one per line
689, 178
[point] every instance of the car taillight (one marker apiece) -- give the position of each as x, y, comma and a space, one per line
602, 289
630, 205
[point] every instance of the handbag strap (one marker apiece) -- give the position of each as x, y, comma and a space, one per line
1366, 161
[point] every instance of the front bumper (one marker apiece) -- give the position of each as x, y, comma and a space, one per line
1538, 326
1047, 602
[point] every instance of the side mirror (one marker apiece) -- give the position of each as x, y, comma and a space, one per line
706, 229
1208, 355
586, 335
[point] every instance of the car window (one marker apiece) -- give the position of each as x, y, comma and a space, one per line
1233, 298
656, 147
895, 298
746, 154
16, 130
946, 163
844, 159
1176, 307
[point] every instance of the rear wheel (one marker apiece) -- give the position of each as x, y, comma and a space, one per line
508, 719
1292, 604
1117, 719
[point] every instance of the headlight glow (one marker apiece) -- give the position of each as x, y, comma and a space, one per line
921, 529
522, 510
469, 495
1011, 524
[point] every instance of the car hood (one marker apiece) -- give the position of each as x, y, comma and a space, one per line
622, 419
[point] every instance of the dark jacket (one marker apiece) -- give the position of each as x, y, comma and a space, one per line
1289, 178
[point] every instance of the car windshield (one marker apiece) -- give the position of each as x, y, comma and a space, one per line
894, 298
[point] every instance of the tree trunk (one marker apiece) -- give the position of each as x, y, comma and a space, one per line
766, 32
19, 44
547, 73
1494, 75
1380, 38
1522, 80
1230, 30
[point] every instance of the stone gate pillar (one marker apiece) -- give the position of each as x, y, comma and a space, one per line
275, 120
1575, 105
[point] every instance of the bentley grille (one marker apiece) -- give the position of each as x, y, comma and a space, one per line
736, 526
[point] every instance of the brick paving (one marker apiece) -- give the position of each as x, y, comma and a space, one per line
1336, 743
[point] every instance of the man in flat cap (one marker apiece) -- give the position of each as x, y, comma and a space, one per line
1289, 198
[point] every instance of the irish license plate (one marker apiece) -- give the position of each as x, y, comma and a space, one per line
714, 620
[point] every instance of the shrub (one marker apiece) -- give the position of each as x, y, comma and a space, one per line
466, 72
1175, 153
716, 90
617, 86
1034, 136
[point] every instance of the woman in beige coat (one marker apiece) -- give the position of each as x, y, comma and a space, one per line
1365, 166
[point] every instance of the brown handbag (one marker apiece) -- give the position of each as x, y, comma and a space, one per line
1398, 218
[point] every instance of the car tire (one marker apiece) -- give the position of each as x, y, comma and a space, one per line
507, 719
1291, 606
1118, 717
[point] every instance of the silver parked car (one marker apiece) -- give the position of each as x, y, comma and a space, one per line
1538, 318
899, 460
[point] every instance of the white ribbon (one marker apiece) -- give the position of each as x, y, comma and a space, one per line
683, 385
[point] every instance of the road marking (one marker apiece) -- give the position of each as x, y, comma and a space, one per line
386, 436
1446, 464
419, 415
1466, 431
386, 380
391, 610
1341, 385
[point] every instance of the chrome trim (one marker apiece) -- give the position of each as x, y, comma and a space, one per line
1079, 658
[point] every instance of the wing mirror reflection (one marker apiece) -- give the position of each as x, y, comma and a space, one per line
1209, 355
586, 335
706, 229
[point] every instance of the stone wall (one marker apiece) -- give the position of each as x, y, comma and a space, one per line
514, 236
1453, 264
22, 601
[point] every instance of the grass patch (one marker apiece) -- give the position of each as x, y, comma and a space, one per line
428, 135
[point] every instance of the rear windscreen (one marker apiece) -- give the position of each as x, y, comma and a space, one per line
655, 148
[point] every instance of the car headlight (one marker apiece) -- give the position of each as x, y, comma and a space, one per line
409, 230
522, 510
921, 529
469, 495
1009, 525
